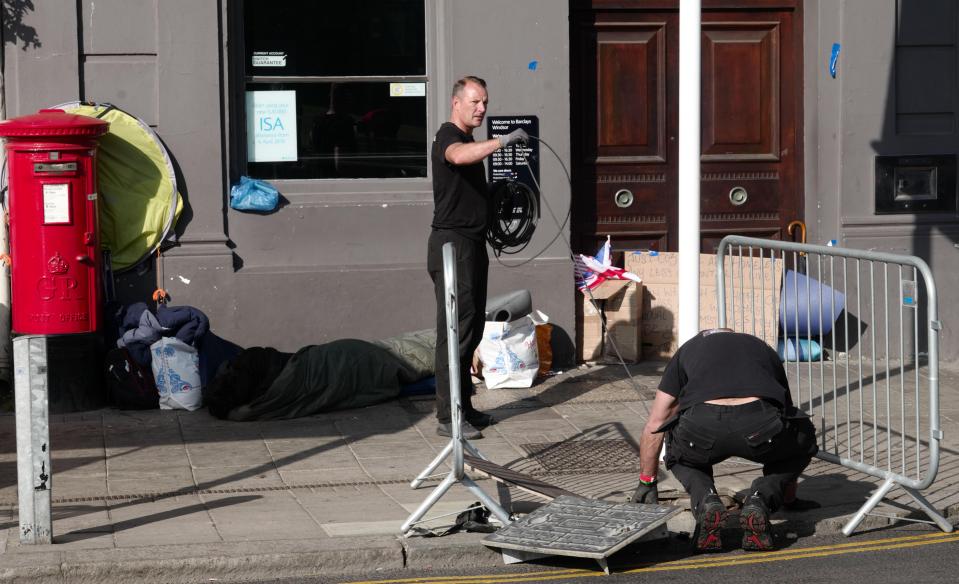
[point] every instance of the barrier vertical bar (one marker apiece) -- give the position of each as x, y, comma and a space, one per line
732, 294
776, 288
762, 293
777, 292
875, 395
34, 474
885, 296
822, 350
457, 443
742, 292
902, 378
915, 321
721, 286
862, 430
845, 288
832, 315
796, 327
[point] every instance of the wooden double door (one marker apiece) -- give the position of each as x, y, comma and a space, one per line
625, 121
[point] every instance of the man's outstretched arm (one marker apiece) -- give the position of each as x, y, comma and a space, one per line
462, 153
650, 444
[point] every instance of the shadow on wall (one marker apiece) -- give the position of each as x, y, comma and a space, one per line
186, 216
920, 119
14, 31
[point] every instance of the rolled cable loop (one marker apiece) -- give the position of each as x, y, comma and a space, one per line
515, 210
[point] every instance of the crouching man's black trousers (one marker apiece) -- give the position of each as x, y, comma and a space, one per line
706, 434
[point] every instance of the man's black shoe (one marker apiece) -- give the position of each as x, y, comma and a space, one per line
754, 519
709, 522
478, 419
467, 430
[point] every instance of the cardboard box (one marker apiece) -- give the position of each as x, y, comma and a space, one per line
624, 314
621, 302
752, 298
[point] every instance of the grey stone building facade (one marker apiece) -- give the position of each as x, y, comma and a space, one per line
344, 256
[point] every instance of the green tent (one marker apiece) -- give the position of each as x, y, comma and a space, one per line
139, 201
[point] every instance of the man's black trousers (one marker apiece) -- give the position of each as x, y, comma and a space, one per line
707, 434
472, 267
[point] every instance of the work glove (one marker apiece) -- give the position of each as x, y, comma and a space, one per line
645, 493
517, 135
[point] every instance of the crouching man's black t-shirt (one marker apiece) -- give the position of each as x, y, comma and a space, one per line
460, 193
724, 365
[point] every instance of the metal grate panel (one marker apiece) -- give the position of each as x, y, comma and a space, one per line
584, 455
584, 528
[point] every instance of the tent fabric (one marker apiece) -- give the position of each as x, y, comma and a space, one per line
416, 349
139, 201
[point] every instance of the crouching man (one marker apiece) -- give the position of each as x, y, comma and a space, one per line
726, 394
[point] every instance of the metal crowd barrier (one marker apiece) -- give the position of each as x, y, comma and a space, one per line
859, 334
457, 444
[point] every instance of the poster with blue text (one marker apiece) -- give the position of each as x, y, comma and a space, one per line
271, 126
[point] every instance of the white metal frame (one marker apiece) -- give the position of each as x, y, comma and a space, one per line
457, 443
911, 459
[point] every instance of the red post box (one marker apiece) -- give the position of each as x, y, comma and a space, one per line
52, 201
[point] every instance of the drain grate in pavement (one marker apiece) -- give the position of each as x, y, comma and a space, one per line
584, 455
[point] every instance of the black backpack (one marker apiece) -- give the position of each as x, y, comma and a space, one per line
131, 384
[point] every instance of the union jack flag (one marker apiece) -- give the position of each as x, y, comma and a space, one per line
590, 272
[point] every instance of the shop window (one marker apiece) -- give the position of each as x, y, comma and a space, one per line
335, 89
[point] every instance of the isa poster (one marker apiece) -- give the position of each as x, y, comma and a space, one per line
271, 126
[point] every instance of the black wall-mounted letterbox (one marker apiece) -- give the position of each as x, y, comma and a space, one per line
915, 184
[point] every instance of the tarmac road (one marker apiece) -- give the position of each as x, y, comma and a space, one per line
914, 554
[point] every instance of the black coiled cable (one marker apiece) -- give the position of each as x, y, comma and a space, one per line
515, 210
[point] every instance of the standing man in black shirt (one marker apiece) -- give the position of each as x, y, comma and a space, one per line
461, 215
726, 394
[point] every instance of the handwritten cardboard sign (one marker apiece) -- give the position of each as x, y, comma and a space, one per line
752, 297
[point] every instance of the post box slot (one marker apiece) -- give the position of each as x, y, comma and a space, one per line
54, 167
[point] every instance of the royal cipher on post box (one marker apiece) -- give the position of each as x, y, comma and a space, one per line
52, 204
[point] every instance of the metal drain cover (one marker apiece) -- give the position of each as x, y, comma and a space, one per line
584, 528
584, 455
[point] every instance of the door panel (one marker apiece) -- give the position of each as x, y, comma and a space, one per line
625, 121
622, 129
740, 91
630, 74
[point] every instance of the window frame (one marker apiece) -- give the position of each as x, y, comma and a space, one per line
331, 190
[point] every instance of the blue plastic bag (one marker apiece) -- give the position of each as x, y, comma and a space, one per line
809, 350
252, 194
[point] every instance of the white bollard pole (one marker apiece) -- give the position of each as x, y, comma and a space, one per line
690, 19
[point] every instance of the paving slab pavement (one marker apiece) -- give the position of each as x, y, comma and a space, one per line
164, 496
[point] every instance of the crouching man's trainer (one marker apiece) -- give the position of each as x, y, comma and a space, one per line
726, 394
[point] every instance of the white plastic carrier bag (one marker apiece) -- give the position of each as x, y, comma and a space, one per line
176, 370
508, 352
